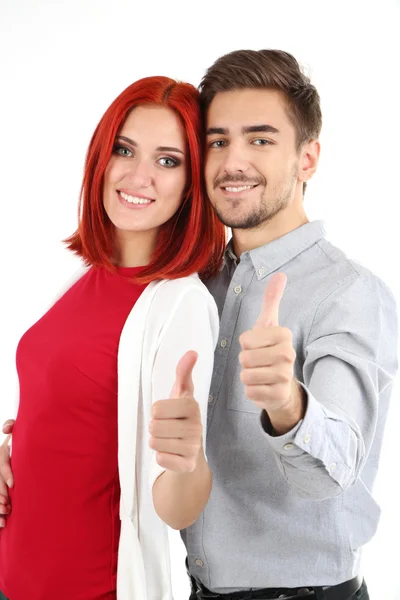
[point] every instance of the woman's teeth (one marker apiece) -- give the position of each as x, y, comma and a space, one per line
134, 199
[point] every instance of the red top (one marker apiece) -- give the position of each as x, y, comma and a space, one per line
61, 538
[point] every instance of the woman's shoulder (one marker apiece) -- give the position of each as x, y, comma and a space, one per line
183, 302
179, 288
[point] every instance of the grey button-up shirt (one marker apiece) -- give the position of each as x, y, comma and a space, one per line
294, 510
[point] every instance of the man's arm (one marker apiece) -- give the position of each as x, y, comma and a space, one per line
350, 363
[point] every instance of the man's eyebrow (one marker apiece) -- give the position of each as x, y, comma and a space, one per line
260, 129
159, 149
245, 129
216, 131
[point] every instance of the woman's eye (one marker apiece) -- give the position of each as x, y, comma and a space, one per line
168, 162
122, 150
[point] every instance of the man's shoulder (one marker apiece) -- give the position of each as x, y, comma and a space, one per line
339, 276
342, 268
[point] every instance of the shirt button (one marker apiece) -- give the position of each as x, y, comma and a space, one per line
223, 343
210, 398
307, 438
199, 562
288, 446
332, 467
261, 271
237, 289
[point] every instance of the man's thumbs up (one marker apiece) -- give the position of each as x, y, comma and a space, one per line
269, 315
175, 428
267, 361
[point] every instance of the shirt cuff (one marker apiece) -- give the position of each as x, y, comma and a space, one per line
309, 436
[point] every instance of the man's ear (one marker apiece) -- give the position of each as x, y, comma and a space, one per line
309, 157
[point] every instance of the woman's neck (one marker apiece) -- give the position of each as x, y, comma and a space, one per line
134, 248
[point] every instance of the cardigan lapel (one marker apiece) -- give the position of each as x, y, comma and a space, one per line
131, 579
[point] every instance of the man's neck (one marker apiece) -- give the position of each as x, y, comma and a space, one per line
247, 239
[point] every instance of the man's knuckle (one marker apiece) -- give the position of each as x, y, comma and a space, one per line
244, 376
287, 334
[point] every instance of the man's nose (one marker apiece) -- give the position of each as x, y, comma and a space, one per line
235, 159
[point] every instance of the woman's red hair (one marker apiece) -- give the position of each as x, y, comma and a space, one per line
193, 240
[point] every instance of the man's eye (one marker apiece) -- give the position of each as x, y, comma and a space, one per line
261, 142
218, 144
169, 162
122, 150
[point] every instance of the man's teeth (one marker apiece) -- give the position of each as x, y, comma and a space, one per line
134, 199
242, 188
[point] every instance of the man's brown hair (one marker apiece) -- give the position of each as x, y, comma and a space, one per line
267, 69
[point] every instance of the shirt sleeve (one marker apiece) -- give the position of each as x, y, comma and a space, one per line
349, 366
192, 325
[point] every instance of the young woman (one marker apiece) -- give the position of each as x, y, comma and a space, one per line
119, 449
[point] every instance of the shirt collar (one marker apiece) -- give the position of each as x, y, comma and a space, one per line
272, 256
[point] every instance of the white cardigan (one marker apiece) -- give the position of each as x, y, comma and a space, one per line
169, 318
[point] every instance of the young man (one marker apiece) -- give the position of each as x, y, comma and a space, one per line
295, 425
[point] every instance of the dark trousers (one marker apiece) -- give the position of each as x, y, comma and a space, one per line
361, 594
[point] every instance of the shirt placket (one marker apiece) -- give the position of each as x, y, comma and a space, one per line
234, 293
238, 286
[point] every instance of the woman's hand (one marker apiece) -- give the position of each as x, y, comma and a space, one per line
6, 476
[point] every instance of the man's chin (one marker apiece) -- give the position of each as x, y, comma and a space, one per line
239, 222
233, 214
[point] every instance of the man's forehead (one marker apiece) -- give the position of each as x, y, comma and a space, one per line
247, 108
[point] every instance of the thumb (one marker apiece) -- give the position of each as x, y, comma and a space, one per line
8, 426
183, 385
269, 315
5, 467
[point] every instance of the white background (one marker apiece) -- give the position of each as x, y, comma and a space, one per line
63, 62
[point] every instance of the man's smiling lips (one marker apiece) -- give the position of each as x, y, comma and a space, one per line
234, 190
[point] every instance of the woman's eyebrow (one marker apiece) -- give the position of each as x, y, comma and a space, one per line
159, 149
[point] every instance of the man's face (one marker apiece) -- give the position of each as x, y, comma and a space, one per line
252, 165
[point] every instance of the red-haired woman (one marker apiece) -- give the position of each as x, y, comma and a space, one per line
101, 458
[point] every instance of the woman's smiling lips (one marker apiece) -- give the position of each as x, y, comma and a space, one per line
133, 200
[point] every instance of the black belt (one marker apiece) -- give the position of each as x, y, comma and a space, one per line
341, 591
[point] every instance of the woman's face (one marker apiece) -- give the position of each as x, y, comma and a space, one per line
145, 179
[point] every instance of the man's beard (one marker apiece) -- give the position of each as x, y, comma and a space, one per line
266, 210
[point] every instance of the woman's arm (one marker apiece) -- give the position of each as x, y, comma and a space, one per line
182, 481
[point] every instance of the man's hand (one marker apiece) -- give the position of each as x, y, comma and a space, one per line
267, 361
175, 428
6, 477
